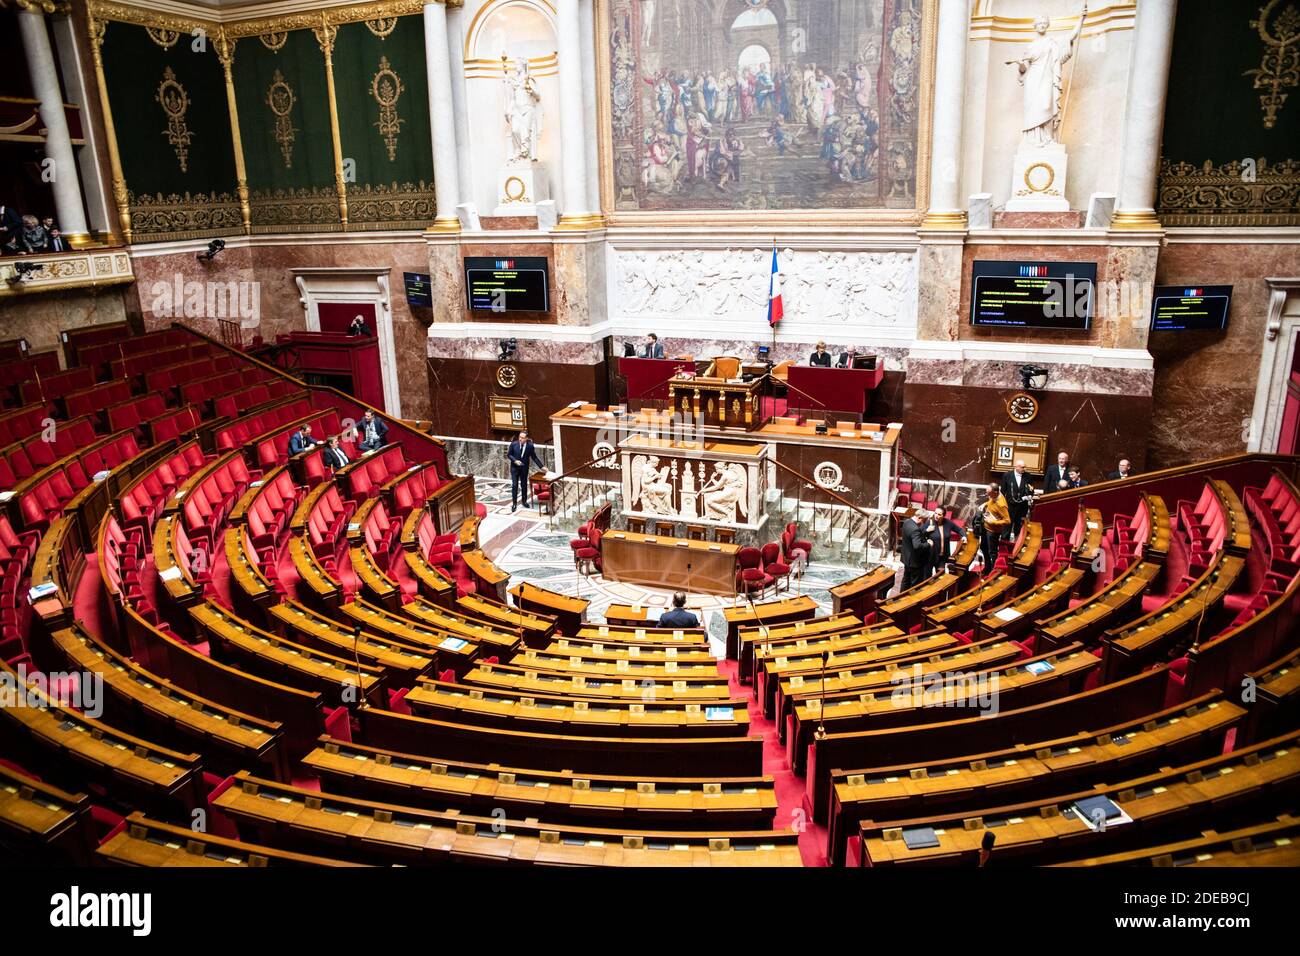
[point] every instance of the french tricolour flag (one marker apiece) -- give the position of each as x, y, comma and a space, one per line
774, 309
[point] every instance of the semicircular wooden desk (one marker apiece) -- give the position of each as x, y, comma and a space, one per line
702, 567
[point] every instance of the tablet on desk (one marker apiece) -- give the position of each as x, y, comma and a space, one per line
920, 838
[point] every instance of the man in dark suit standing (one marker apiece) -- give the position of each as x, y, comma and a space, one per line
678, 616
917, 548
11, 228
334, 456
652, 348
301, 440
1057, 476
373, 432
1125, 470
520, 453
821, 358
1019, 493
944, 531
358, 327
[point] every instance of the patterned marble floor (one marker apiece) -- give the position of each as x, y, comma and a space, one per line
521, 544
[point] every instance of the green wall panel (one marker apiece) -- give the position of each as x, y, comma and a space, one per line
391, 149
289, 160
1217, 117
180, 172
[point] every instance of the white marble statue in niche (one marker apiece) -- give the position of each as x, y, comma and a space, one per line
523, 112
1041, 71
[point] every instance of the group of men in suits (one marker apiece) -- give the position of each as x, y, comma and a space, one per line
926, 537
1006, 505
371, 433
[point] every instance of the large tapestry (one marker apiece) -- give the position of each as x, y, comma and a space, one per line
284, 119
1231, 150
764, 104
167, 93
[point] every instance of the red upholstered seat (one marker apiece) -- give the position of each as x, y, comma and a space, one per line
589, 555
773, 565
750, 576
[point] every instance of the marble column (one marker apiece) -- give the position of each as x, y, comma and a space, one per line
65, 183
946, 208
98, 201
573, 140
589, 112
456, 49
1153, 41
442, 118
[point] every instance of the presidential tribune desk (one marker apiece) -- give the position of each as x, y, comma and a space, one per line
856, 461
671, 563
822, 391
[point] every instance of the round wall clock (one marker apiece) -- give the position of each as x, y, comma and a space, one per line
1022, 407
507, 376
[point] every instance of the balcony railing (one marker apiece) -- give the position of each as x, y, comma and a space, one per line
49, 272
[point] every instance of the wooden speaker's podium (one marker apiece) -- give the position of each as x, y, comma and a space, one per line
719, 396
328, 358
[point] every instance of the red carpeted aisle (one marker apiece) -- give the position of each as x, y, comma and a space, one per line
789, 788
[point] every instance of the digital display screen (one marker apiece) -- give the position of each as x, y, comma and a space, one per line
1033, 295
1178, 308
507, 285
418, 291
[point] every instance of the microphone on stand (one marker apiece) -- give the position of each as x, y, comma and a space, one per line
356, 659
820, 732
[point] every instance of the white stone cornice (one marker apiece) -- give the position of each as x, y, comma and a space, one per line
1233, 235
1059, 237
148, 250
1044, 353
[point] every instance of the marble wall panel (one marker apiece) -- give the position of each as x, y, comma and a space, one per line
1205, 381
460, 391
40, 317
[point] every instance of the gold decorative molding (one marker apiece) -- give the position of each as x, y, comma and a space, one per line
326, 34
1279, 68
381, 27
225, 49
305, 209
175, 103
238, 24
944, 220
95, 29
274, 41
1135, 220
280, 100
189, 216
164, 38
386, 88
37, 6
393, 206
985, 26
1227, 195
580, 223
